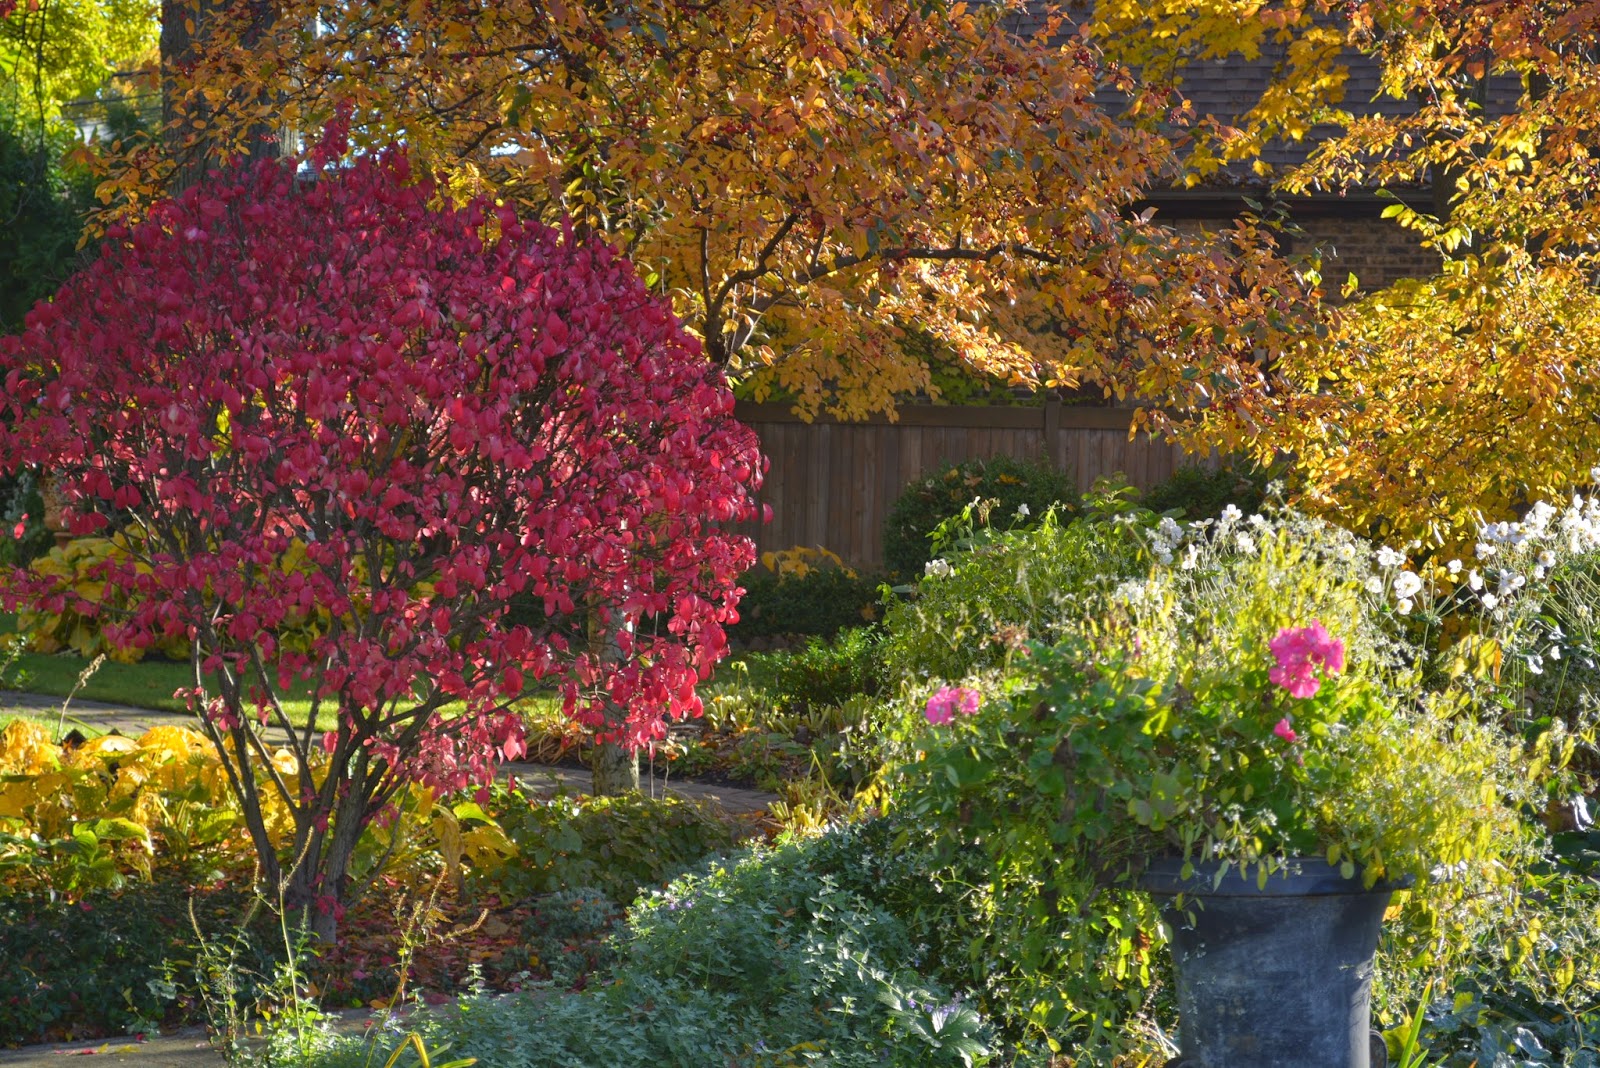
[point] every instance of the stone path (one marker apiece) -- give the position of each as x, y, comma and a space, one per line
99, 717
186, 1048
182, 1049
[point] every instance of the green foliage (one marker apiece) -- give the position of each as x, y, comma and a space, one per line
55, 52
807, 715
931, 500
824, 673
570, 932
1151, 730
1548, 635
42, 210
617, 845
773, 957
43, 200
1002, 589
1516, 983
820, 602
1195, 492
111, 961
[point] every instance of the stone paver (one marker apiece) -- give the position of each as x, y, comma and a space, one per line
182, 1049
186, 1048
105, 718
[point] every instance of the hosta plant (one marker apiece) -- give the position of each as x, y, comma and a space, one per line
95, 814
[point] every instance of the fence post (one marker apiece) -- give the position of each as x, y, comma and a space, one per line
1052, 433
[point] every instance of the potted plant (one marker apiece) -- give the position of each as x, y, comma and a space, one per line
1241, 743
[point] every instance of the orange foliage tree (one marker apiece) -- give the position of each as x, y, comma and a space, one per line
1434, 401
806, 180
809, 180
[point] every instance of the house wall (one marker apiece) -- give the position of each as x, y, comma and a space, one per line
1379, 252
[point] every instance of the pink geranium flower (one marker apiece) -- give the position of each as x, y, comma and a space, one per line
1300, 652
1285, 731
948, 700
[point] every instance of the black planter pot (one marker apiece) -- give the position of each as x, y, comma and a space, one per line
1273, 977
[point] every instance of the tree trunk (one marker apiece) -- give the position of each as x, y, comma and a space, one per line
182, 23
616, 770
183, 27
320, 886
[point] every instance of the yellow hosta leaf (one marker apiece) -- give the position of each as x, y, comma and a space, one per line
26, 749
173, 741
106, 747
486, 845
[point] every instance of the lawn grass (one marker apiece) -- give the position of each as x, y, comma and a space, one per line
151, 682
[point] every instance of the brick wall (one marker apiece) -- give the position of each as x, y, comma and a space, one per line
1376, 250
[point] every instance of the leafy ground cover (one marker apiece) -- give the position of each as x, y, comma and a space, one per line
145, 929
934, 954
878, 928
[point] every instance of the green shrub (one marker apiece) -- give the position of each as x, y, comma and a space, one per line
773, 719
1150, 729
107, 963
773, 957
1196, 492
617, 845
820, 602
569, 933
1003, 589
941, 495
826, 672
1519, 986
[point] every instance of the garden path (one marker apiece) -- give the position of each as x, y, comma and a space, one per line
101, 718
182, 1049
185, 1048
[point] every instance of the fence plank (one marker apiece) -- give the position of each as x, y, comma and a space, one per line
831, 483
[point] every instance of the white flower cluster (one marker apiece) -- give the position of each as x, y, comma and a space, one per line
1226, 533
938, 569
1515, 558
1406, 587
1166, 538
1404, 584
1575, 529
1134, 593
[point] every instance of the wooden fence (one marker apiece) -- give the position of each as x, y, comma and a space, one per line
832, 483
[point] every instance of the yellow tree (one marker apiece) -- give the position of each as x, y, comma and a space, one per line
53, 51
1476, 390
806, 179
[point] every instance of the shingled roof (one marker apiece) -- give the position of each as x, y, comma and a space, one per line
1226, 89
